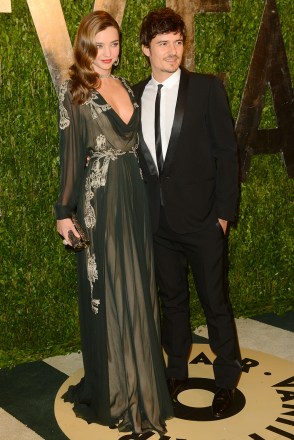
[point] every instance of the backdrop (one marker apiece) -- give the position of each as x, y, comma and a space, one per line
38, 298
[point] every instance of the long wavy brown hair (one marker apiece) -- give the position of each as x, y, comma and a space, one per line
83, 76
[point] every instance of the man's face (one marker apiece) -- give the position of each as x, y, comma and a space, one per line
165, 54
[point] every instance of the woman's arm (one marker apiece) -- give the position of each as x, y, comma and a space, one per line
71, 163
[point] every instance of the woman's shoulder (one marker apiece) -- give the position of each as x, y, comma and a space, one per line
126, 83
64, 100
64, 89
121, 78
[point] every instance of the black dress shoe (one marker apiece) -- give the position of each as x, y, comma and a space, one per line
175, 386
222, 402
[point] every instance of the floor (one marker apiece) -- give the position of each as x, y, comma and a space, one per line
31, 407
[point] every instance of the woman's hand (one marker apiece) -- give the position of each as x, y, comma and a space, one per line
63, 227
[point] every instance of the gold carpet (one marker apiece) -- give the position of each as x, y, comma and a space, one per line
263, 410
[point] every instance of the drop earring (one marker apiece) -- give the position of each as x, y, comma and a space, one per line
116, 62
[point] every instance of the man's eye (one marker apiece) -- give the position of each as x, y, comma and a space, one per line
99, 46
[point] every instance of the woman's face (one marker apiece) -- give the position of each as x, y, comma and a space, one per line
107, 43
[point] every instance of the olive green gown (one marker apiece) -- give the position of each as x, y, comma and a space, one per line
124, 382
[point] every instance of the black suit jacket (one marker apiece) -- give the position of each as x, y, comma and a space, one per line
199, 182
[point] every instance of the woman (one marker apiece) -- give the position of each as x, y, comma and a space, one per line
124, 382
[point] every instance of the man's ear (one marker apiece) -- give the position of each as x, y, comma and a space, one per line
146, 50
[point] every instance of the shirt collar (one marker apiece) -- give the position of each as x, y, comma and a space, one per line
170, 81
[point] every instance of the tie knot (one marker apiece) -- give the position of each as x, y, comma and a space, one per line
159, 87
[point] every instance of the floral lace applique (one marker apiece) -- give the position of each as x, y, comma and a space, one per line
98, 175
92, 277
64, 118
97, 178
129, 89
96, 108
134, 151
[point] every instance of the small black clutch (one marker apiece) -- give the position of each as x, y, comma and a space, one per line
81, 243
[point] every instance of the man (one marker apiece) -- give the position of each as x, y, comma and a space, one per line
188, 158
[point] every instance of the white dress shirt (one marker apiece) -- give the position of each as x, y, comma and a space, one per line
169, 94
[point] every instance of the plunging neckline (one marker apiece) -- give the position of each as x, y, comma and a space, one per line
117, 115
112, 109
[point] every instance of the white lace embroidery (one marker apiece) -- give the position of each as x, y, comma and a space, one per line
141, 174
95, 108
64, 118
92, 277
98, 176
129, 90
97, 179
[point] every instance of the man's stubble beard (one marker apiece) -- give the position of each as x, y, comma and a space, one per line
169, 70
172, 69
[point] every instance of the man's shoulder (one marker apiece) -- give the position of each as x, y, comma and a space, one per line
204, 82
141, 84
200, 78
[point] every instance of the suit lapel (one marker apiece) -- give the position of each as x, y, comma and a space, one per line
178, 119
143, 146
146, 153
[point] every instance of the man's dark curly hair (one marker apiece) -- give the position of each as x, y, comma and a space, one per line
161, 21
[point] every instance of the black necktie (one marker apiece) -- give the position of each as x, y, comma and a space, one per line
158, 146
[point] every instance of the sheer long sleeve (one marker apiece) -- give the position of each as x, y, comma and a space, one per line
72, 155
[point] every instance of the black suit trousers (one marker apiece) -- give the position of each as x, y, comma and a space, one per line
205, 252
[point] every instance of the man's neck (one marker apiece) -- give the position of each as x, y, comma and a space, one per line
160, 77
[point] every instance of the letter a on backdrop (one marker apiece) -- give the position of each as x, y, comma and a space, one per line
268, 68
5, 6
187, 9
